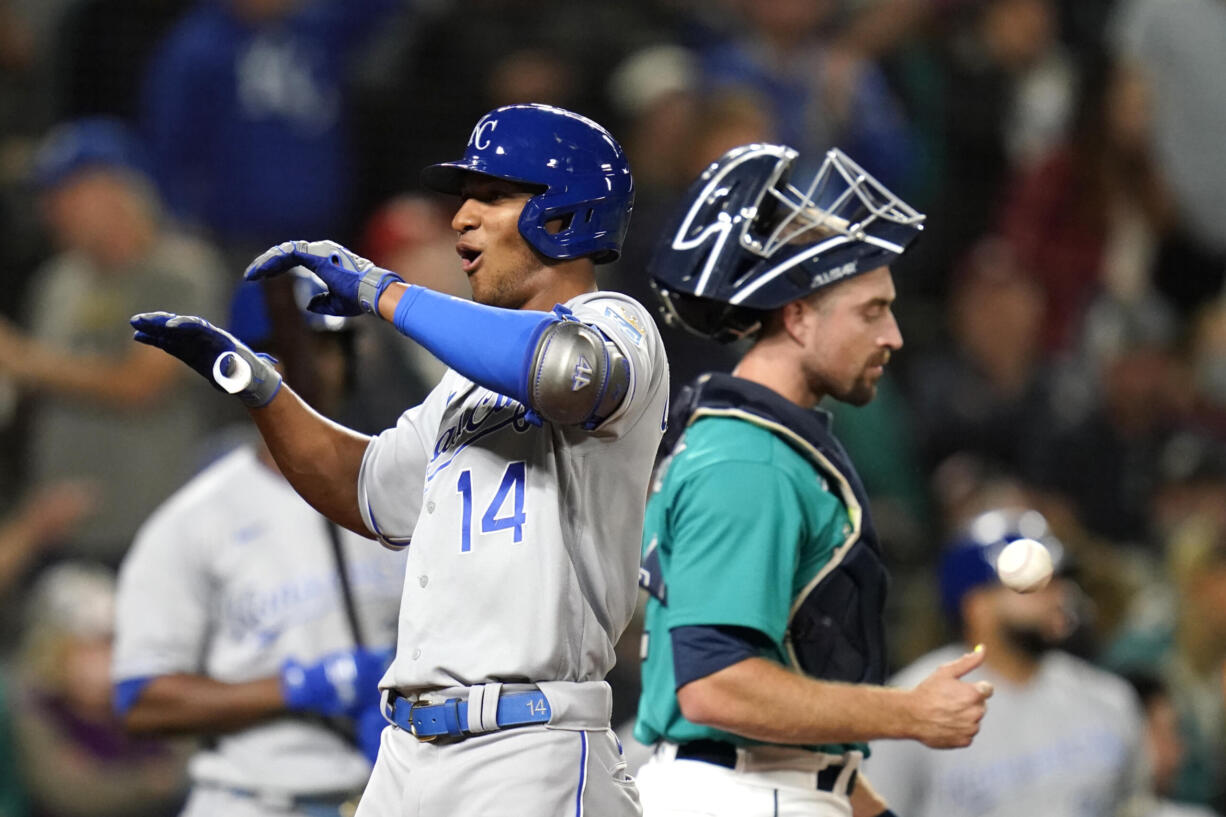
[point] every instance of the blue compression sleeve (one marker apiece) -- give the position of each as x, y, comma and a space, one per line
486, 344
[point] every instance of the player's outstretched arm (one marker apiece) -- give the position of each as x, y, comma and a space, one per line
762, 700
320, 458
354, 283
565, 371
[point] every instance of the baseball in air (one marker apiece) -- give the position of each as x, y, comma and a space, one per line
1024, 565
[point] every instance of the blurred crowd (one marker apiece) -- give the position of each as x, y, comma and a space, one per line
1064, 312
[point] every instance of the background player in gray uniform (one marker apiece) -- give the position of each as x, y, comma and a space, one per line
519, 481
246, 618
1064, 737
764, 652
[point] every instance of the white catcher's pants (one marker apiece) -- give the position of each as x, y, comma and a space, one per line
695, 788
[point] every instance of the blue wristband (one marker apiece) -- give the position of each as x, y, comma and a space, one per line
490, 346
124, 694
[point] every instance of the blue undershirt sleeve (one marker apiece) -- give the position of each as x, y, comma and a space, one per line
490, 346
699, 651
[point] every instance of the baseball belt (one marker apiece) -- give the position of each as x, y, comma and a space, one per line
833, 777
451, 717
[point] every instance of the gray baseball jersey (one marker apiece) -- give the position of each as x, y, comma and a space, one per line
231, 576
524, 551
1065, 745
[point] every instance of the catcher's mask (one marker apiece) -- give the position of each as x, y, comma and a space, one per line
748, 240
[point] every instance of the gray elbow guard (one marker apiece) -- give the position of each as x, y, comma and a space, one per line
578, 377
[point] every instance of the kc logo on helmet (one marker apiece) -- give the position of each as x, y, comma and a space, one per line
480, 138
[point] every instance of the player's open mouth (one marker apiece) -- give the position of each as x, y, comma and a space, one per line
469, 258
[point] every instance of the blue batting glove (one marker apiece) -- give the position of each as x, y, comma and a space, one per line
341, 683
354, 283
219, 357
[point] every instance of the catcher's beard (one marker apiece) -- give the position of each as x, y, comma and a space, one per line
864, 389
861, 393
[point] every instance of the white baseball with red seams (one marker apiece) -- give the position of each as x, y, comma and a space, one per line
1024, 565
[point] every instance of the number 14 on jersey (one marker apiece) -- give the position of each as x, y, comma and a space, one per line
510, 492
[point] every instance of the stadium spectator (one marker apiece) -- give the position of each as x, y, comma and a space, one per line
38, 522
1089, 217
106, 410
1177, 631
1106, 462
554, 52
985, 390
965, 87
250, 95
1177, 47
73, 758
1191, 476
1206, 363
1164, 751
817, 94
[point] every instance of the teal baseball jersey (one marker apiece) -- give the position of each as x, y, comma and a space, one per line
741, 523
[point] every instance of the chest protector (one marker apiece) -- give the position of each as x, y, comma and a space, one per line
835, 629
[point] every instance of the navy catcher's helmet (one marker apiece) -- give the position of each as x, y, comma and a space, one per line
969, 559
748, 240
582, 172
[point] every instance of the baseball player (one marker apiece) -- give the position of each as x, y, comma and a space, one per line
517, 485
1065, 737
763, 646
245, 617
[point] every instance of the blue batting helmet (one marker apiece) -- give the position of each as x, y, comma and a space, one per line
748, 239
969, 559
583, 173
251, 323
